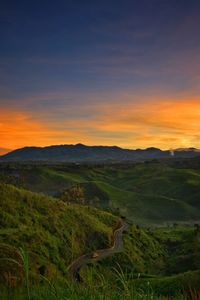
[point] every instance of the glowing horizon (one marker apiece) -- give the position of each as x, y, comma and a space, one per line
100, 73
164, 124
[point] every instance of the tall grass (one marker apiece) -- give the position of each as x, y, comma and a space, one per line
122, 287
193, 295
25, 261
84, 293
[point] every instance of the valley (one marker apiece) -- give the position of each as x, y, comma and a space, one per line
156, 192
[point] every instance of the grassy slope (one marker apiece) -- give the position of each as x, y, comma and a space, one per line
167, 258
53, 232
165, 251
153, 192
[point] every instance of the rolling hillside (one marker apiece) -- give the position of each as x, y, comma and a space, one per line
53, 232
156, 192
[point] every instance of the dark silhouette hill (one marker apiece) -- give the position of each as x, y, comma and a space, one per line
81, 153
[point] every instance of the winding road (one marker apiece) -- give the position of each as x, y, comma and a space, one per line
76, 265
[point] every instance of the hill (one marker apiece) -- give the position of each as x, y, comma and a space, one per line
53, 232
83, 153
153, 192
166, 258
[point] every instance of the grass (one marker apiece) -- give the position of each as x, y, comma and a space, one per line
53, 232
123, 287
126, 290
25, 262
40, 235
153, 192
56, 233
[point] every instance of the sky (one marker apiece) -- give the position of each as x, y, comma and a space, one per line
113, 72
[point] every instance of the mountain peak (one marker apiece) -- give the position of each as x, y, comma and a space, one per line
79, 145
153, 149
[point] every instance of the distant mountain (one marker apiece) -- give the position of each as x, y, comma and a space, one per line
187, 150
81, 153
4, 151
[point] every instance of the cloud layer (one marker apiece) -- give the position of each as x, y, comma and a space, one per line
100, 72
164, 122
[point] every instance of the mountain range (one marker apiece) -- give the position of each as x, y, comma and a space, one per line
81, 153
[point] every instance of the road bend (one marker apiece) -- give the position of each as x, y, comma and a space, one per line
75, 266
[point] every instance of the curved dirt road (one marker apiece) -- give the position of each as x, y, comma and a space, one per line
75, 266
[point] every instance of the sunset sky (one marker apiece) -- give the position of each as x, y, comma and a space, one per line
111, 72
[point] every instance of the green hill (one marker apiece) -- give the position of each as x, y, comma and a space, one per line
53, 232
162, 260
153, 192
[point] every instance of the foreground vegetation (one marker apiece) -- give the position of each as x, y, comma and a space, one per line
123, 286
51, 292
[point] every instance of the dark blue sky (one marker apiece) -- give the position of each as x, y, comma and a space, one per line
67, 54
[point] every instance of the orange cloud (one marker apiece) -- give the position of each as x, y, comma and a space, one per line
18, 129
162, 123
165, 123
